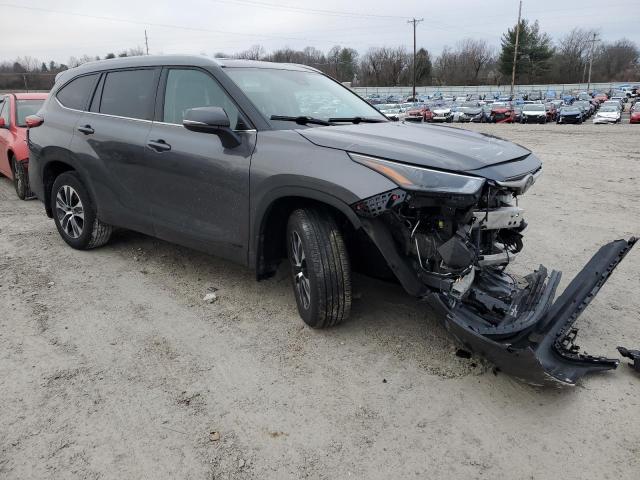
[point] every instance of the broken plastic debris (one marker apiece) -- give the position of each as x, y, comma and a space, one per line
633, 355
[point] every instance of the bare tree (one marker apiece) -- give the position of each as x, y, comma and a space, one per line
617, 61
256, 52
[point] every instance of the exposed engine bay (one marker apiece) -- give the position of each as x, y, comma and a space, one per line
453, 250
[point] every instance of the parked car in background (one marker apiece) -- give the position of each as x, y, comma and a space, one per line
587, 107
608, 114
442, 113
634, 115
534, 113
501, 112
569, 114
517, 113
473, 112
421, 113
14, 154
601, 97
240, 159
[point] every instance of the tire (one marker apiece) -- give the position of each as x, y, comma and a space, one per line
75, 215
20, 180
320, 267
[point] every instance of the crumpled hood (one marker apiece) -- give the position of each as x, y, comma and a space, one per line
440, 147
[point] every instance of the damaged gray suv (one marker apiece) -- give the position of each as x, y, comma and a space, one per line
256, 162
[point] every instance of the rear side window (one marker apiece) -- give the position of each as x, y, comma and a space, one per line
129, 93
75, 94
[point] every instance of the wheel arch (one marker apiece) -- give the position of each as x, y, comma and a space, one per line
56, 161
270, 223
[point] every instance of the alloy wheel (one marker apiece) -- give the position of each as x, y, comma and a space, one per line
300, 272
70, 211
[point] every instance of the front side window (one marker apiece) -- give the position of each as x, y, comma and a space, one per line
24, 108
75, 94
5, 107
129, 93
188, 88
299, 93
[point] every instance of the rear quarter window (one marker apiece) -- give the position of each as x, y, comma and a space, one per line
75, 94
129, 93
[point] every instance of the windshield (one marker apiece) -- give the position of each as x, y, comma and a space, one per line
24, 108
608, 109
296, 93
535, 108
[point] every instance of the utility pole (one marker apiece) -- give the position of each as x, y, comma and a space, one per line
593, 42
415, 23
146, 40
515, 50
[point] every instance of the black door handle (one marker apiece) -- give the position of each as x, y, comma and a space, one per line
159, 145
87, 130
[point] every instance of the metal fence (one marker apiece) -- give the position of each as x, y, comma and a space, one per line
482, 89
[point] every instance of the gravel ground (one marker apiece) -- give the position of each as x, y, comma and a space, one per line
112, 366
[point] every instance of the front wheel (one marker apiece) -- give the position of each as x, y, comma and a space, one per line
320, 267
75, 214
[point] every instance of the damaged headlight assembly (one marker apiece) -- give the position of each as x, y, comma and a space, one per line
415, 178
449, 237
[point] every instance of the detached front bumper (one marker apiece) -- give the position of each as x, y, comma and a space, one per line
536, 342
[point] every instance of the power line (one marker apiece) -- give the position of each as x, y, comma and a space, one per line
164, 25
315, 11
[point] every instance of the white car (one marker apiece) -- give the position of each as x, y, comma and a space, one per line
442, 114
608, 114
533, 113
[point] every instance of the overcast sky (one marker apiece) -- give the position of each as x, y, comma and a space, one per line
57, 30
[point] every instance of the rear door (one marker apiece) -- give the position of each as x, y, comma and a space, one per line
110, 139
199, 190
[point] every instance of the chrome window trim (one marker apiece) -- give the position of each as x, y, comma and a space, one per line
137, 119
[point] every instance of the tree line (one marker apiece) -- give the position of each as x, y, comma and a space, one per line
469, 62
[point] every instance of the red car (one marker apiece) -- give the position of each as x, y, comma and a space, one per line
502, 113
422, 113
601, 97
635, 113
14, 155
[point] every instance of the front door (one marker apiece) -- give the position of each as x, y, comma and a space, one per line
198, 190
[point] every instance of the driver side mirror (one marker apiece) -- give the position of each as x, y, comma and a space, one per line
211, 120
2, 123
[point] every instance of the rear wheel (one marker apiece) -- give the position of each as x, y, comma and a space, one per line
75, 215
320, 267
20, 179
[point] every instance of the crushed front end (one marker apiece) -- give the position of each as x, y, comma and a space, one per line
449, 239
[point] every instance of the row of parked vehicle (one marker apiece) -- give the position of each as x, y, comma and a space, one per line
625, 92
577, 109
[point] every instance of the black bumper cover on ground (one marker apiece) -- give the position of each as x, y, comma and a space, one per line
537, 346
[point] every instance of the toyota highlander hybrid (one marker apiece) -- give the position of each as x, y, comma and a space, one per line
256, 162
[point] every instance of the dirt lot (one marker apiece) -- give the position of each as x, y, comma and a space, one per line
112, 366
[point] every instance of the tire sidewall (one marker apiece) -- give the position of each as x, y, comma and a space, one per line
73, 180
19, 179
299, 223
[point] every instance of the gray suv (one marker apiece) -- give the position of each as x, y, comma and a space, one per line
256, 162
